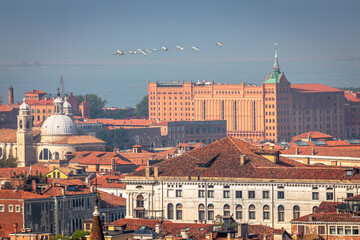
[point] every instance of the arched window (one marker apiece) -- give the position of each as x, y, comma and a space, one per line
178, 211
210, 212
281, 213
20, 124
226, 210
296, 211
140, 201
1, 152
201, 212
266, 212
252, 213
27, 124
238, 214
56, 156
45, 154
314, 208
170, 213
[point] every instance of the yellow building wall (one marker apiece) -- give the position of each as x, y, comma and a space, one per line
56, 171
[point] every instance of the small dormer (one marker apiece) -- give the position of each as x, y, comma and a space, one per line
350, 171
137, 149
269, 154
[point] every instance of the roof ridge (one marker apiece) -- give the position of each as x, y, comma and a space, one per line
235, 144
193, 156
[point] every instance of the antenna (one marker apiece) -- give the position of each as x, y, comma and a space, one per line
61, 85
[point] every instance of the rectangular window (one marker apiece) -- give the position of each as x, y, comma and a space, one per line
211, 194
17, 208
321, 229
1, 207
340, 230
315, 196
251, 194
178, 193
266, 215
355, 230
11, 208
238, 194
329, 196
266, 195
252, 215
201, 193
301, 229
347, 230
170, 193
226, 194
332, 230
349, 195
281, 194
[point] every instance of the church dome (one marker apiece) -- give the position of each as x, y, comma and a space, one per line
58, 125
66, 104
58, 100
24, 106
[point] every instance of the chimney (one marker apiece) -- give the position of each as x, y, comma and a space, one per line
156, 171
157, 228
184, 234
113, 165
34, 186
92, 189
243, 230
11, 95
306, 161
296, 151
313, 151
63, 191
242, 160
147, 172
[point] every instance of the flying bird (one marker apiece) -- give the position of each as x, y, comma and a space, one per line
133, 52
179, 48
118, 52
156, 50
195, 48
142, 52
219, 44
165, 48
147, 50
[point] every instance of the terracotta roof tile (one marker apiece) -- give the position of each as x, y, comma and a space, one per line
134, 224
109, 181
103, 158
222, 159
334, 151
8, 135
194, 230
313, 88
81, 139
108, 200
19, 194
7, 107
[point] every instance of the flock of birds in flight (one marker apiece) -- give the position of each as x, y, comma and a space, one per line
164, 49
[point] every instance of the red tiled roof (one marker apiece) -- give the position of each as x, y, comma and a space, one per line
334, 151
109, 181
36, 168
102, 158
7, 107
67, 182
134, 224
55, 191
81, 139
108, 200
329, 217
34, 91
313, 88
126, 122
313, 135
353, 198
350, 97
19, 194
327, 207
8, 135
221, 159
44, 101
194, 230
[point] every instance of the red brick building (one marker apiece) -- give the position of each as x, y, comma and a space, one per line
274, 111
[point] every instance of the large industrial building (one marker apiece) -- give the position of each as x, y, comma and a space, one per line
274, 111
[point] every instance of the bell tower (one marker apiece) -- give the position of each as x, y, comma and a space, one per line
24, 135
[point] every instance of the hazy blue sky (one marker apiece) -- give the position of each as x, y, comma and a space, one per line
77, 39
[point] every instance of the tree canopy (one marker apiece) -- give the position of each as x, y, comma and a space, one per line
142, 108
96, 104
113, 138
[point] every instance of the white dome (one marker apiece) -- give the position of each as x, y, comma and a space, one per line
58, 100
66, 104
58, 125
24, 106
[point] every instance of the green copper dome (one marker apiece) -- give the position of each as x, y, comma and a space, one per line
273, 77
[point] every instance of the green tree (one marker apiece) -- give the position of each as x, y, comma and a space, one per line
142, 108
8, 162
96, 104
113, 138
58, 237
79, 235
